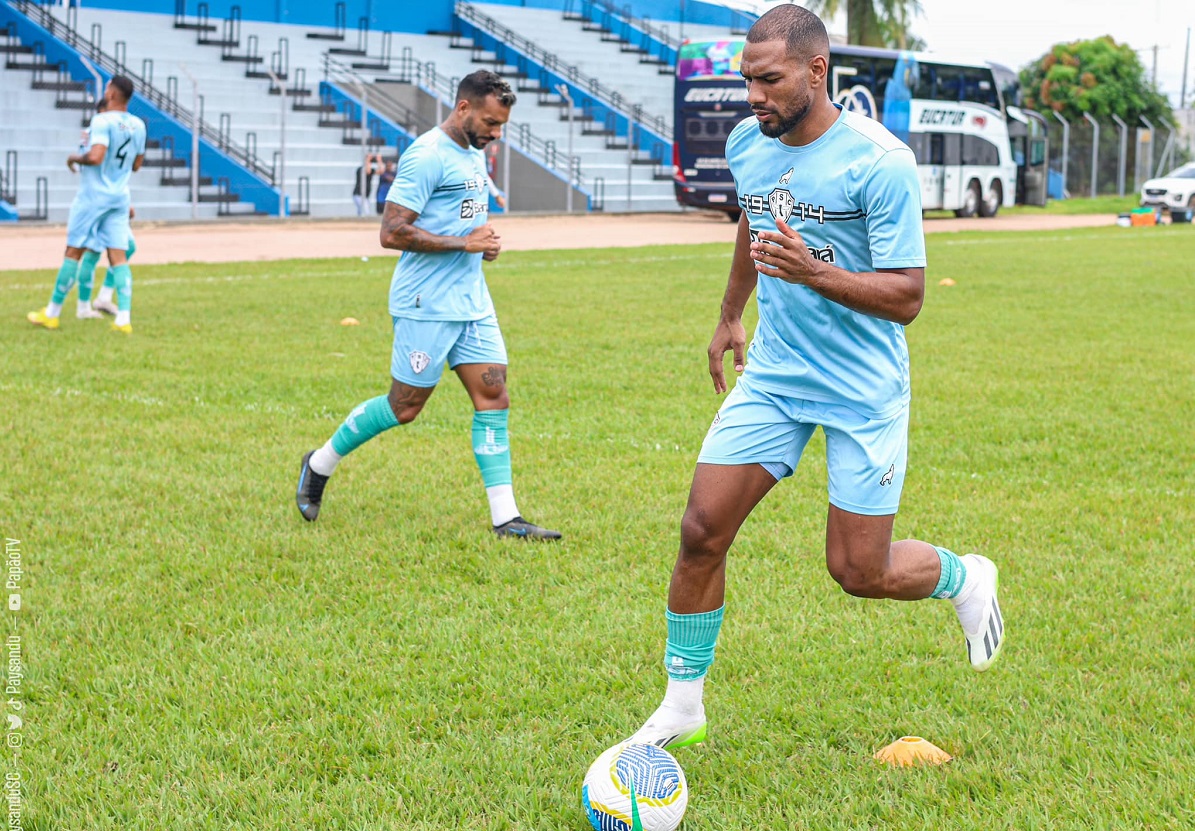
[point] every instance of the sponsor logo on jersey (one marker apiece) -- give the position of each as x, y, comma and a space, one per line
473, 208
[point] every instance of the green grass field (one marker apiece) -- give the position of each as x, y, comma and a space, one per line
197, 657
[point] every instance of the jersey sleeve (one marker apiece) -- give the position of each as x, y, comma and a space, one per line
419, 171
98, 132
892, 200
142, 135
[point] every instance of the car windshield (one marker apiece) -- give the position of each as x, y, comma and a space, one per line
1187, 171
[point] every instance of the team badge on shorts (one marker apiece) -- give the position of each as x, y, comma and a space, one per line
419, 361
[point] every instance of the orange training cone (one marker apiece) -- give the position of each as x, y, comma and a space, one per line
912, 750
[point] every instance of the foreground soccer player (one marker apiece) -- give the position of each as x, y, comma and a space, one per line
436, 215
99, 215
831, 236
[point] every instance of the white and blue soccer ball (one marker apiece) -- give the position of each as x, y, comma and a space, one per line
635, 787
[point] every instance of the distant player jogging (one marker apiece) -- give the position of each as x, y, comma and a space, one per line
436, 214
99, 215
831, 239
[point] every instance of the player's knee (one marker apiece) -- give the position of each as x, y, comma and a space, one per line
405, 411
858, 581
701, 543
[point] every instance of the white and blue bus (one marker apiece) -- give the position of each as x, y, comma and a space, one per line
952, 114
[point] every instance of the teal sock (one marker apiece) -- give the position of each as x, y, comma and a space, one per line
363, 423
491, 446
65, 280
109, 280
123, 277
950, 583
691, 641
87, 274
132, 249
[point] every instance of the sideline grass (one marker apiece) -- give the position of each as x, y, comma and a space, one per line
197, 657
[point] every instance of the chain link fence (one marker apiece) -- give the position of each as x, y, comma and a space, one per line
1111, 160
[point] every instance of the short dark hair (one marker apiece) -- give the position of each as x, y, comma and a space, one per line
801, 30
124, 85
476, 86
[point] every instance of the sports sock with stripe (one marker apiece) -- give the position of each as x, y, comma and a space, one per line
491, 449
63, 283
952, 577
362, 424
86, 275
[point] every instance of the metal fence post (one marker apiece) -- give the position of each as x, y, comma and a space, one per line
1153, 135
1066, 149
1095, 153
194, 141
568, 177
282, 211
1123, 148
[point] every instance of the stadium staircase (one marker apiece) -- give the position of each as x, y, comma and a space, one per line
48, 96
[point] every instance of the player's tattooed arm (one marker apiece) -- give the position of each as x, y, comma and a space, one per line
400, 233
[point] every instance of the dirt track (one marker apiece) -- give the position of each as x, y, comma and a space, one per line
33, 247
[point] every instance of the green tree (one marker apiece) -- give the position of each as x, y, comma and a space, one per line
883, 23
1099, 77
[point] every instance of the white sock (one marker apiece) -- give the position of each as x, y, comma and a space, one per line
502, 504
83, 306
685, 696
53, 309
968, 605
106, 294
122, 318
325, 460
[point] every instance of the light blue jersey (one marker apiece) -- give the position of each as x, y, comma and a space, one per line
107, 183
446, 185
854, 197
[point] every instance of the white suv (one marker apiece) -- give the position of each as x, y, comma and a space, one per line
1174, 190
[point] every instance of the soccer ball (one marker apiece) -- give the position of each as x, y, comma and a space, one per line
635, 787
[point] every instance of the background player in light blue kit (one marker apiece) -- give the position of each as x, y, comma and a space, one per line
436, 214
99, 215
831, 239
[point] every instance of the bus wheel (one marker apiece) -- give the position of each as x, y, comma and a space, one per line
733, 216
972, 199
992, 200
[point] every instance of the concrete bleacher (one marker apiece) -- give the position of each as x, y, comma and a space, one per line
43, 135
319, 154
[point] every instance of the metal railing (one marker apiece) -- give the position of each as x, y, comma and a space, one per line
8, 178
518, 134
639, 34
167, 102
523, 49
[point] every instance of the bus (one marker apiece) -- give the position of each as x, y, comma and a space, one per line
953, 115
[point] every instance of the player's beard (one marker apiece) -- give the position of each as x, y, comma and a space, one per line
475, 139
788, 121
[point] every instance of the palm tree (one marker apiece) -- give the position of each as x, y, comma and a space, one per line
874, 22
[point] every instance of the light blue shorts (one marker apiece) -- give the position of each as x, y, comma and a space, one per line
96, 227
865, 457
422, 347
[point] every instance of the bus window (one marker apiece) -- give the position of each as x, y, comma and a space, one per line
979, 151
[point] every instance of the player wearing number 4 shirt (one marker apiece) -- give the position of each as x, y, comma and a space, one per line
437, 214
831, 241
99, 216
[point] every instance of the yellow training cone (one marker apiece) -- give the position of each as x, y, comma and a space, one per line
350, 321
912, 750
946, 281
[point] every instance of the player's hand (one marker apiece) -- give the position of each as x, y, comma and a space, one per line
70, 164
783, 255
132, 212
483, 241
490, 256
730, 336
